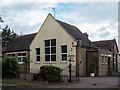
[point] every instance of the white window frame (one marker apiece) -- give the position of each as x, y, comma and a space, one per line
50, 50
63, 54
37, 55
21, 58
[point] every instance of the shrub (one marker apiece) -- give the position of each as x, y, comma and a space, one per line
92, 67
50, 73
9, 68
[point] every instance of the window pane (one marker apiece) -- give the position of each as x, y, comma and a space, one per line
47, 57
24, 54
53, 50
38, 51
38, 58
19, 59
23, 59
47, 50
53, 57
53, 42
102, 59
64, 57
10, 55
64, 49
47, 43
19, 54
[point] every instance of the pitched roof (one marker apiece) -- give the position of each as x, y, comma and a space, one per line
76, 34
106, 44
21, 43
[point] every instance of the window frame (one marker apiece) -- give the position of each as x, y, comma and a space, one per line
37, 55
102, 59
63, 54
9, 56
21, 58
50, 53
106, 59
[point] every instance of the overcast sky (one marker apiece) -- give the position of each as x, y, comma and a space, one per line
98, 19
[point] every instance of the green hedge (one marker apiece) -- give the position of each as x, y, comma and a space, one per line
10, 68
50, 73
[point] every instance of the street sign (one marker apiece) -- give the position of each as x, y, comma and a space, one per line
72, 60
71, 55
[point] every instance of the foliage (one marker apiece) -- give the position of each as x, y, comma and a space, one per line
1, 19
50, 73
92, 67
7, 36
10, 68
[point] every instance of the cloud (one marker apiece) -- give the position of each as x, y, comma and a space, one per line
104, 34
26, 18
102, 29
99, 20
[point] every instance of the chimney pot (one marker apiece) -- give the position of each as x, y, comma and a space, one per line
86, 34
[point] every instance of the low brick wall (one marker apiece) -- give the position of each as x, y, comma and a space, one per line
29, 76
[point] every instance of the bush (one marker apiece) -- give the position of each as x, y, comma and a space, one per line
50, 73
9, 68
92, 67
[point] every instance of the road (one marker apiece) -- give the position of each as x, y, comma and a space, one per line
91, 82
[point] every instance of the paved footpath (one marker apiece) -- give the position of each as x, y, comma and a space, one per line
91, 82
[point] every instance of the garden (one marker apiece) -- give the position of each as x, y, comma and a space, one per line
47, 75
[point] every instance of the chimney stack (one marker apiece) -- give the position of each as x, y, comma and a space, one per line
86, 34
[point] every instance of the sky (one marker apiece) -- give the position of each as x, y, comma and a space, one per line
98, 19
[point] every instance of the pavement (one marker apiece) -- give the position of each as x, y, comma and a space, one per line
91, 82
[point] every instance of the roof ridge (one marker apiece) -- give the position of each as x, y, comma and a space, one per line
27, 34
103, 40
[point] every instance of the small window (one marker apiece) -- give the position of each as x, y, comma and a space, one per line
106, 59
64, 52
102, 59
37, 54
21, 57
10, 55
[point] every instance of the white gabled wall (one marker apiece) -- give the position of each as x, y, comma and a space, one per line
51, 29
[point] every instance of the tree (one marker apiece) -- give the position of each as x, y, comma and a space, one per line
1, 19
7, 36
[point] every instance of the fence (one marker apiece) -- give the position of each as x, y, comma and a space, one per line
65, 74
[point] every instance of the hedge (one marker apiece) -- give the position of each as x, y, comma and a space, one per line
50, 73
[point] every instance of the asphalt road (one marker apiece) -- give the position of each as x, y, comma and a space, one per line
91, 82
